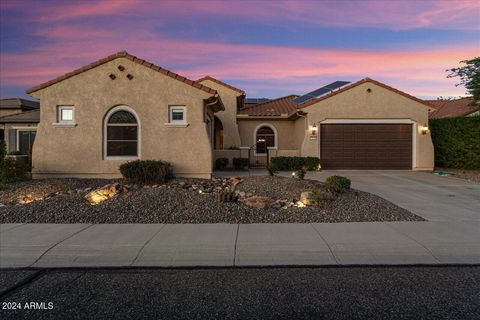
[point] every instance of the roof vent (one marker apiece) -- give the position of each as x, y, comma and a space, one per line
112, 76
121, 68
129, 76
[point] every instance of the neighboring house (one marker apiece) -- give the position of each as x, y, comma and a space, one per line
452, 108
18, 124
122, 108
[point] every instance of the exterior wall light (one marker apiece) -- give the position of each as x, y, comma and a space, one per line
314, 129
424, 129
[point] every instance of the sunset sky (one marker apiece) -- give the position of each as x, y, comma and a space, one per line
267, 48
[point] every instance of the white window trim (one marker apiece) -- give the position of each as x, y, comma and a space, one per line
378, 121
65, 123
17, 133
177, 123
104, 137
275, 147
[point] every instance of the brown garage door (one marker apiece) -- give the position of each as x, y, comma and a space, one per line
366, 146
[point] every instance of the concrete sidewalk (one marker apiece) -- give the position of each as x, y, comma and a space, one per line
120, 245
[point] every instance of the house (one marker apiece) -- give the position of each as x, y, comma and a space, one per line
18, 124
444, 108
122, 108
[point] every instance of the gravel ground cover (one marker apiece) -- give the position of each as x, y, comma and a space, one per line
178, 202
471, 175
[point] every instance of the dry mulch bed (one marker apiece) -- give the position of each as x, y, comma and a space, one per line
173, 203
470, 175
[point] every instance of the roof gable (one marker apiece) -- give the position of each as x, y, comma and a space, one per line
356, 84
220, 83
122, 54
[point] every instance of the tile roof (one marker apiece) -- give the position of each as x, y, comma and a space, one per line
18, 103
32, 116
273, 108
221, 83
365, 80
123, 54
451, 108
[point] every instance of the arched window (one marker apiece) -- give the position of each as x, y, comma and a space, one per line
121, 137
265, 137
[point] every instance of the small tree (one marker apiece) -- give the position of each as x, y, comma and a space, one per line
469, 77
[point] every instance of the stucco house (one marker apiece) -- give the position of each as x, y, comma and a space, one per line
122, 108
18, 124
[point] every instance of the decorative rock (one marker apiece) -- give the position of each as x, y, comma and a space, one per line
306, 198
234, 181
182, 184
101, 194
258, 202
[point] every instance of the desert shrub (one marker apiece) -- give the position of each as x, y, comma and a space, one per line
240, 163
272, 169
337, 184
300, 174
296, 163
13, 171
456, 142
147, 171
221, 163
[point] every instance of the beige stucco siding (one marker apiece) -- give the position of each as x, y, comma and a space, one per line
79, 150
228, 117
380, 103
285, 132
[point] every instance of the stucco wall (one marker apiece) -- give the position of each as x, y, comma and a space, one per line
285, 129
228, 117
380, 103
73, 151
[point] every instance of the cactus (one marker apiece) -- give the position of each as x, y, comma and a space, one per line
227, 196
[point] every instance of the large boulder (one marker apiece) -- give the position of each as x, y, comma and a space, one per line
307, 199
258, 202
104, 193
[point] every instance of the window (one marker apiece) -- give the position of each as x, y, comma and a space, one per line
265, 138
177, 114
25, 141
121, 134
65, 115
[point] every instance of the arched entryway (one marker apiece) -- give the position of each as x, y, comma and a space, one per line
265, 137
217, 134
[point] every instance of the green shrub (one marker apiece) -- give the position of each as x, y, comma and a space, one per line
456, 142
240, 163
300, 174
337, 184
272, 169
296, 163
13, 171
221, 163
147, 171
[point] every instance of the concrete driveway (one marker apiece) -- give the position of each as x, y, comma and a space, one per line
433, 197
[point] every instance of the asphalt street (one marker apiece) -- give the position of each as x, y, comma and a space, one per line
451, 292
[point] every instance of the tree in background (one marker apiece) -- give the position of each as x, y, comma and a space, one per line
469, 77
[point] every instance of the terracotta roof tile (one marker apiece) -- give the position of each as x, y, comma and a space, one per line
221, 83
121, 54
350, 86
273, 108
451, 108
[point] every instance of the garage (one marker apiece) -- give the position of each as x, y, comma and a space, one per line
366, 146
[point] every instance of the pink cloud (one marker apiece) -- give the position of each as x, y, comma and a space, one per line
305, 68
394, 14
